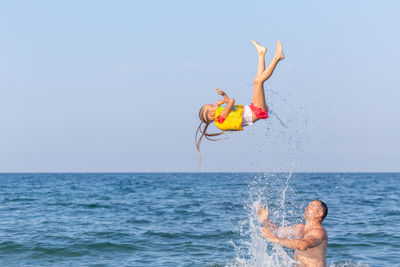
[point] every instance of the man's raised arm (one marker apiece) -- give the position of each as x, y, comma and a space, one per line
313, 239
263, 215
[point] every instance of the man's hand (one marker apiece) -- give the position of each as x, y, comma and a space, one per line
267, 233
263, 214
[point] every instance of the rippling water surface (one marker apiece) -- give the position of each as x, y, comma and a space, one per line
190, 219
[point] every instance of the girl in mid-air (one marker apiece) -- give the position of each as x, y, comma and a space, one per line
230, 117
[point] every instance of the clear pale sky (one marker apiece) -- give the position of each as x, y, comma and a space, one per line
117, 85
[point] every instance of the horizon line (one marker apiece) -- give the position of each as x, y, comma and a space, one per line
67, 172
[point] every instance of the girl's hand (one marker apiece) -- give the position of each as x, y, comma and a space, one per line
220, 92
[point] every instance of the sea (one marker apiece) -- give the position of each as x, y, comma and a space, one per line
191, 219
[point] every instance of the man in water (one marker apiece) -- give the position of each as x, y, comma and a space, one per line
308, 240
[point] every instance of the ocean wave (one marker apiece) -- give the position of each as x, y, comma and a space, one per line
348, 263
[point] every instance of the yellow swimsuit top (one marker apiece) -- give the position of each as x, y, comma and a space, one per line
233, 122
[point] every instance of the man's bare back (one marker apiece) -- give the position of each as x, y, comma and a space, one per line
308, 240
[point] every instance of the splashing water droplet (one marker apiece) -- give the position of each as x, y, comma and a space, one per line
253, 249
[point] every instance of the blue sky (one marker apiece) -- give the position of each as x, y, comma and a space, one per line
117, 85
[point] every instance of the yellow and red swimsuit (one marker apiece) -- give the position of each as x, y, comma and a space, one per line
233, 122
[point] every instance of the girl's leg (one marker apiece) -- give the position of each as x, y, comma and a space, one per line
258, 91
271, 67
261, 50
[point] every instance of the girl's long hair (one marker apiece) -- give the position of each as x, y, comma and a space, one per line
204, 120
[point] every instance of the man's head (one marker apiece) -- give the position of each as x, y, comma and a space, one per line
316, 210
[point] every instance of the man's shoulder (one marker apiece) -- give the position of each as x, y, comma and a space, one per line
318, 232
298, 229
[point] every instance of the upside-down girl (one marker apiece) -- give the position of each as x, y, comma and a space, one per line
230, 117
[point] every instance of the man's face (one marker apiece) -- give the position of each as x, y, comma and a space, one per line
313, 210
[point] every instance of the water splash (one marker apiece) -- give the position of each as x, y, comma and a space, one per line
278, 118
253, 249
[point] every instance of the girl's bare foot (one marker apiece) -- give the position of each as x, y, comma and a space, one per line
261, 50
278, 52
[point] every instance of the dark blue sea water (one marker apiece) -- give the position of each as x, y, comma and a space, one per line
191, 219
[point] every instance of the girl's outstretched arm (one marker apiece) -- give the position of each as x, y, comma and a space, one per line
228, 108
220, 92
220, 102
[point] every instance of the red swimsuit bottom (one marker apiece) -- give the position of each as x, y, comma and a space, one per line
261, 114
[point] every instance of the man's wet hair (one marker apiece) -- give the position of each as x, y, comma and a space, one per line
324, 207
